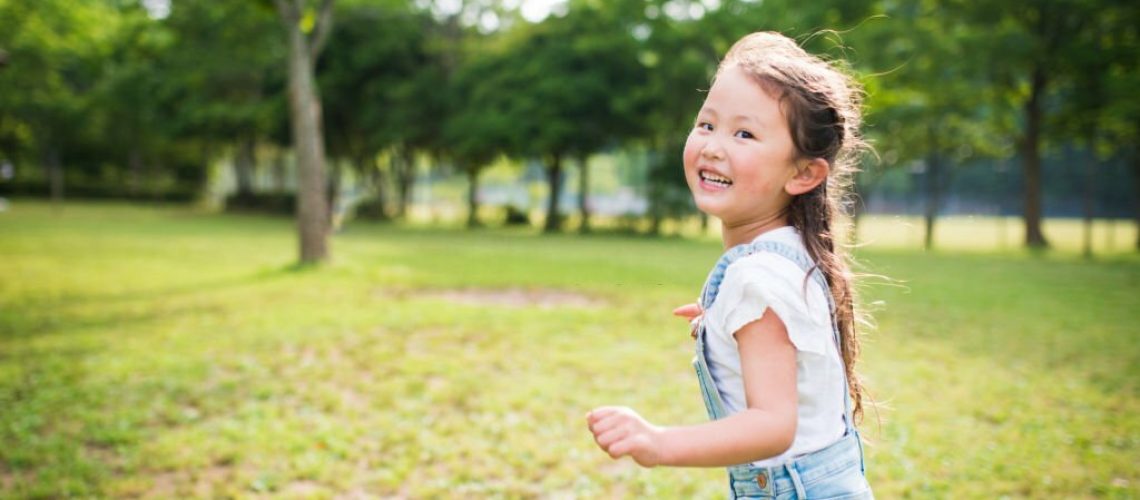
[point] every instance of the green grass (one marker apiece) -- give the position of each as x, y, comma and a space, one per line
161, 352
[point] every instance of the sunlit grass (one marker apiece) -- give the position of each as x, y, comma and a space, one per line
167, 353
970, 234
996, 234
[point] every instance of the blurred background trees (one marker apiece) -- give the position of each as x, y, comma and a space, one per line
1022, 108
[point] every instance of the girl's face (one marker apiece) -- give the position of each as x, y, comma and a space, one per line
739, 155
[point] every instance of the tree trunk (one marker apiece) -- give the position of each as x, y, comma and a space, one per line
308, 140
206, 155
312, 208
1031, 161
472, 196
1136, 193
135, 167
53, 172
655, 224
405, 177
244, 163
397, 175
656, 210
584, 192
554, 179
335, 174
655, 183
1087, 203
371, 177
402, 164
933, 173
279, 171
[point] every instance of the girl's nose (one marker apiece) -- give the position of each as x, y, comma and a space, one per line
712, 150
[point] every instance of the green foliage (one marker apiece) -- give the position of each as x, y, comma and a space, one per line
120, 98
225, 71
375, 75
117, 97
54, 52
166, 353
481, 126
563, 87
927, 98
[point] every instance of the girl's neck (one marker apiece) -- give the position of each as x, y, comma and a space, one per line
736, 234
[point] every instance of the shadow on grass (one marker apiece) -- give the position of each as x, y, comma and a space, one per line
63, 315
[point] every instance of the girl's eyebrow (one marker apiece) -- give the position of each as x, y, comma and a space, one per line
746, 118
749, 119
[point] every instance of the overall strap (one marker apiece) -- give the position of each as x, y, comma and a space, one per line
801, 258
796, 255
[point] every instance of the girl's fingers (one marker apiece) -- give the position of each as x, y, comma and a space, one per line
688, 311
607, 439
606, 423
600, 413
621, 448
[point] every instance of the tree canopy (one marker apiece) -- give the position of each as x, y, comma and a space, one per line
108, 96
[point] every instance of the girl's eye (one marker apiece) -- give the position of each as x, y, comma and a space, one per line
744, 134
705, 126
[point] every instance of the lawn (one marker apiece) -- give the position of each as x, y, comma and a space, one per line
164, 352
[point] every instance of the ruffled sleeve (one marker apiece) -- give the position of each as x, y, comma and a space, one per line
765, 280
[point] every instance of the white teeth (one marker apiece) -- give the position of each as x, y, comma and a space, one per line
715, 179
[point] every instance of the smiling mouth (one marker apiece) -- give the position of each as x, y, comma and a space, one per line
714, 179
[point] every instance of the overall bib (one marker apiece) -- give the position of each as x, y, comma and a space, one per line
835, 472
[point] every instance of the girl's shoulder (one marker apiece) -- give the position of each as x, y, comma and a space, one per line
776, 270
769, 279
777, 250
769, 272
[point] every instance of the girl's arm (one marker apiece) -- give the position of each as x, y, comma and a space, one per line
765, 429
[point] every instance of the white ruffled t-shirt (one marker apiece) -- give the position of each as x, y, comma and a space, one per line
765, 280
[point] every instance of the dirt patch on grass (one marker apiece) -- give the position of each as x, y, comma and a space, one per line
7, 480
200, 483
301, 489
519, 298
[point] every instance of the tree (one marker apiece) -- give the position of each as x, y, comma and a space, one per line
135, 126
566, 91
680, 63
480, 127
610, 78
928, 100
377, 96
1121, 124
305, 109
1084, 99
682, 43
1024, 41
54, 48
1119, 130
223, 83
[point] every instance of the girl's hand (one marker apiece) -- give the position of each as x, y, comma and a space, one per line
691, 312
621, 431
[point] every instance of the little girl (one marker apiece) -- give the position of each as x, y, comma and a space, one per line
770, 155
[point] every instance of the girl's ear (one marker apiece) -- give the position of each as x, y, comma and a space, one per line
808, 176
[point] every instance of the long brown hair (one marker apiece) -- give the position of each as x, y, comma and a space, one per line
822, 105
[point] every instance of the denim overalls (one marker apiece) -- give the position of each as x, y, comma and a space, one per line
835, 472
